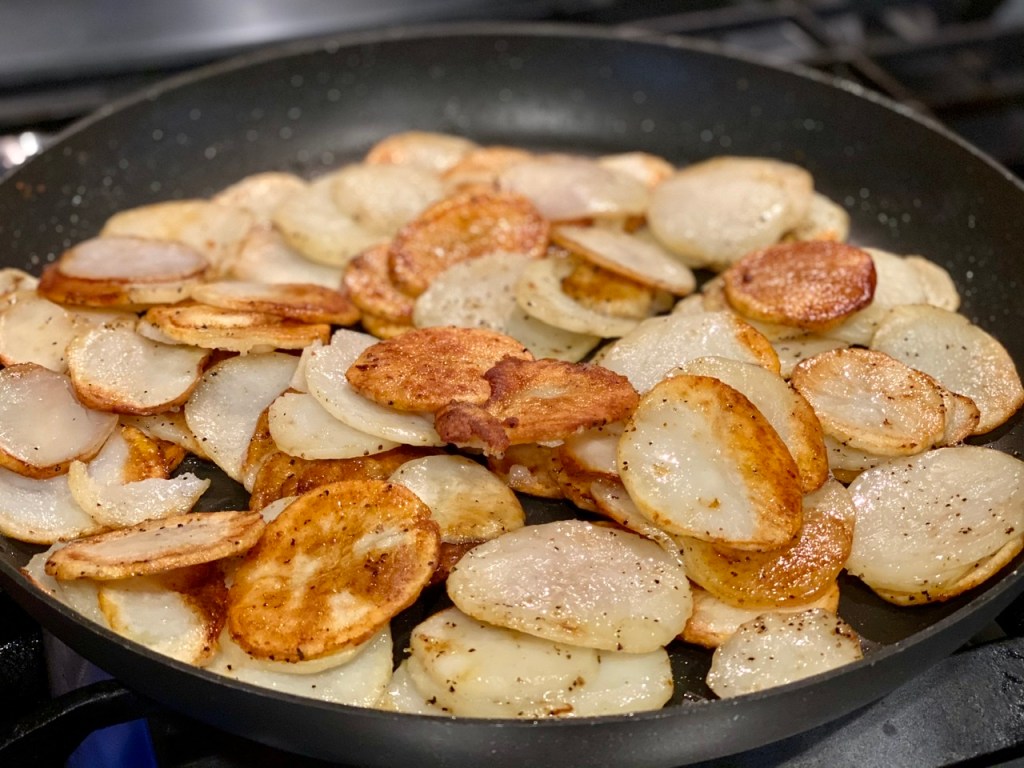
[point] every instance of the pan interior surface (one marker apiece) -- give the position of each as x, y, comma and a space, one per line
908, 186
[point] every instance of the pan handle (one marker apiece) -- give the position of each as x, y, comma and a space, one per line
52, 732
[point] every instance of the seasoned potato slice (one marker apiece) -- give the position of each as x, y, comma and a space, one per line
368, 282
304, 302
794, 351
607, 293
235, 330
427, 368
613, 501
464, 227
41, 511
536, 401
872, 402
700, 460
266, 257
331, 570
116, 369
529, 469
961, 356
301, 427
593, 451
383, 198
155, 546
169, 427
577, 583
713, 213
799, 572
427, 150
34, 330
779, 648
647, 355
925, 522
812, 285
81, 595
43, 426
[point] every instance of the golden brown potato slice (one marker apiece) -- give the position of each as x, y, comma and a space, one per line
460, 228
799, 572
428, 150
41, 511
427, 368
607, 293
156, 546
304, 302
529, 469
813, 284
537, 401
382, 327
700, 460
235, 330
368, 282
331, 570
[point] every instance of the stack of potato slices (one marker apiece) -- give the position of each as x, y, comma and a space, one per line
388, 358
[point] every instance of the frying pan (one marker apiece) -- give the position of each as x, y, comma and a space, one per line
910, 187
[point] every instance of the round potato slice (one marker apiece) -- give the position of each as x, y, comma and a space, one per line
368, 282
34, 330
304, 302
700, 460
331, 570
811, 285
577, 583
43, 426
383, 198
155, 546
116, 369
301, 427
132, 260
481, 167
528, 469
779, 648
82, 595
260, 193
426, 150
650, 170
825, 220
464, 227
427, 368
266, 257
41, 511
235, 330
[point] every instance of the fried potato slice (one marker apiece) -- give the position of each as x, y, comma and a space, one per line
787, 411
612, 501
578, 583
812, 285
872, 402
382, 197
82, 595
13, 281
266, 257
700, 460
169, 427
302, 302
627, 255
963, 358
650, 170
260, 193
310, 590
825, 220
481, 167
464, 227
368, 282
428, 150
155, 546
926, 521
215, 230
799, 572
43, 426
713, 213
647, 354
236, 330
116, 369
382, 327
779, 648
41, 511
607, 293
301, 427
325, 376
530, 468
34, 330
793, 351
535, 402
283, 475
480, 293
569, 187
714, 621
426, 368
224, 409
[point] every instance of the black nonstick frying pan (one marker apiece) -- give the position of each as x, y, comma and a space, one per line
909, 186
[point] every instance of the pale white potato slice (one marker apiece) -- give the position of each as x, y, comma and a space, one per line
937, 284
625, 683
539, 292
647, 355
846, 462
125, 258
383, 198
116, 369
714, 621
613, 501
963, 357
41, 511
13, 280
311, 223
43, 426
223, 409
82, 595
872, 402
34, 330
962, 417
146, 610
625, 254
467, 501
924, 521
794, 351
779, 648
576, 583
428, 150
825, 219
786, 410
267, 257
481, 293
565, 188
594, 450
700, 460
402, 695
325, 377
216, 231
170, 426
714, 212
260, 193
272, 510
301, 427
650, 170
359, 682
